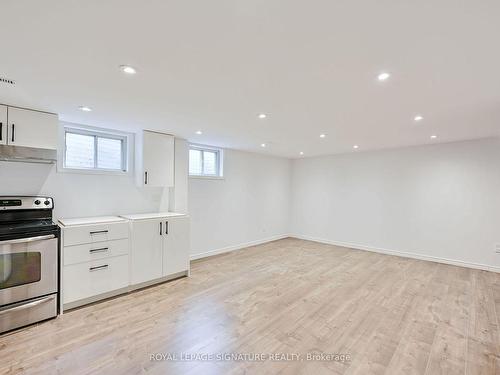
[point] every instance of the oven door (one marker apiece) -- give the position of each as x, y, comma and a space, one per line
28, 268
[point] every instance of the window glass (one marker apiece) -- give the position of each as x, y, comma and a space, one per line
79, 151
209, 162
195, 166
95, 150
205, 161
109, 153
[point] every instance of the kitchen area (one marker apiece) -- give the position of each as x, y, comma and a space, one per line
65, 239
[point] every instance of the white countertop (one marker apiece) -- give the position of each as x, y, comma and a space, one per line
91, 220
153, 215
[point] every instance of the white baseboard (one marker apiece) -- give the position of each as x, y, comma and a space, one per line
400, 253
237, 247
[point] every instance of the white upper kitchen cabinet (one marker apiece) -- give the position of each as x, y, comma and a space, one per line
3, 124
32, 128
158, 159
146, 250
176, 245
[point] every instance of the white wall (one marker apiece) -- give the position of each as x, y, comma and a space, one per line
250, 205
79, 195
438, 201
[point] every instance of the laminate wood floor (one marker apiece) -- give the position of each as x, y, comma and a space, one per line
388, 315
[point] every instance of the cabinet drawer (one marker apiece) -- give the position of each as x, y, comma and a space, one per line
94, 251
94, 233
89, 279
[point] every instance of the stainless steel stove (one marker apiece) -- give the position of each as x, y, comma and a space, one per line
29, 261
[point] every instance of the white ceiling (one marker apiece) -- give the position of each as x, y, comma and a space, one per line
215, 65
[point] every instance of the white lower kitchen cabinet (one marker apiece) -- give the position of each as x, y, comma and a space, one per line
95, 259
159, 247
106, 256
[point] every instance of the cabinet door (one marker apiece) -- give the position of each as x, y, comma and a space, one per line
176, 246
146, 252
32, 129
158, 159
3, 125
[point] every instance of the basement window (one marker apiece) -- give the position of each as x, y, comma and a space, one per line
205, 161
97, 151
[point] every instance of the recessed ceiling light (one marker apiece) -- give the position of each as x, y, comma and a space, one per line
199, 132
127, 69
434, 136
262, 115
301, 153
85, 109
383, 76
418, 118
262, 145
355, 146
322, 135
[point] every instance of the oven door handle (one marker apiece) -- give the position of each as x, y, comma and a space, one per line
29, 239
26, 305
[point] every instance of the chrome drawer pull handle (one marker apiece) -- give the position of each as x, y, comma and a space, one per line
103, 267
98, 250
98, 232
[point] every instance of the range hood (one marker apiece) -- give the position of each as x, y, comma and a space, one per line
27, 154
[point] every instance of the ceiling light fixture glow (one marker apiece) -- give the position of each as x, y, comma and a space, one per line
418, 118
355, 146
262, 116
434, 136
383, 76
85, 108
301, 153
128, 69
199, 132
262, 145
322, 135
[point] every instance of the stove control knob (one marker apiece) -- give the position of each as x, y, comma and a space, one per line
37, 202
46, 203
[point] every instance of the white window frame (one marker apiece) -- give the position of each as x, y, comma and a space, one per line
127, 149
219, 162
